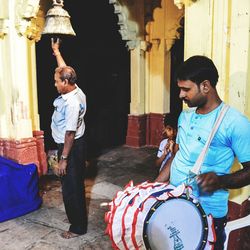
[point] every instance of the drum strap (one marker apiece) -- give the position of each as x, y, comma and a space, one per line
197, 166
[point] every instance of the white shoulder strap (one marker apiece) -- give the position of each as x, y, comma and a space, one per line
197, 166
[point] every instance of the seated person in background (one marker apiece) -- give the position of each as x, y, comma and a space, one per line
166, 146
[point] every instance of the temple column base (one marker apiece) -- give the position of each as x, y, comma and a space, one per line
26, 151
144, 130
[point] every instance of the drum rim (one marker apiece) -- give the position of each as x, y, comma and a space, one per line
197, 205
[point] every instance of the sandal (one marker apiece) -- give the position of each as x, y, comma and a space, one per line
69, 235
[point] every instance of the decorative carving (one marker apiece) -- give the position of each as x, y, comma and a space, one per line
128, 29
172, 29
117, 8
174, 33
29, 8
4, 26
181, 3
145, 46
34, 30
156, 42
26, 14
150, 6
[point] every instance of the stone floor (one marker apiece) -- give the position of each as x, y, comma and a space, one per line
110, 172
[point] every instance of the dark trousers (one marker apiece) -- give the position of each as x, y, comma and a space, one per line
219, 225
73, 189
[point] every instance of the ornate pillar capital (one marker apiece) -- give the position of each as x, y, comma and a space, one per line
181, 3
145, 45
129, 29
25, 19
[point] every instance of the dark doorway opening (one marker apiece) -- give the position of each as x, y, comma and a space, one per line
102, 64
177, 58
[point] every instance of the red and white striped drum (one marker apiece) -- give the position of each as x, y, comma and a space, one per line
158, 216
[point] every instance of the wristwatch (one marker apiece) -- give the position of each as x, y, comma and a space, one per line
64, 158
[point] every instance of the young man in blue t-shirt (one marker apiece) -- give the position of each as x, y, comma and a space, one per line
197, 79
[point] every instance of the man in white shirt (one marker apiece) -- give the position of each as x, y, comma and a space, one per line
68, 128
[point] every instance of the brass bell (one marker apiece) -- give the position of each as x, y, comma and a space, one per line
57, 20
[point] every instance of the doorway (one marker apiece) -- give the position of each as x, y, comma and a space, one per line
177, 58
102, 64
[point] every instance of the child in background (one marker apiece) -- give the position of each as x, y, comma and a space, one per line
167, 144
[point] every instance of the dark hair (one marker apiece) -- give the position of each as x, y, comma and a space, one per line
198, 69
171, 120
67, 72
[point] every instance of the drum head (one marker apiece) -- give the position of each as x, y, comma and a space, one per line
177, 223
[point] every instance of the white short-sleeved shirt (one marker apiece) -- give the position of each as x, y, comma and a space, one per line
161, 151
69, 111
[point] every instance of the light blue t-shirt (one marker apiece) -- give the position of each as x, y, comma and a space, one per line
231, 140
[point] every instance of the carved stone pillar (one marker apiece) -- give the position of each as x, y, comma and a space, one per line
149, 41
137, 62
162, 31
19, 30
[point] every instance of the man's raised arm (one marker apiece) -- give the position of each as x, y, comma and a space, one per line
55, 45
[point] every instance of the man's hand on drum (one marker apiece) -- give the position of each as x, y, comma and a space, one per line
209, 182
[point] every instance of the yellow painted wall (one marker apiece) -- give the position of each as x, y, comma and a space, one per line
219, 29
18, 95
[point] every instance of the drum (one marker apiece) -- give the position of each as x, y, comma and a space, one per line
158, 216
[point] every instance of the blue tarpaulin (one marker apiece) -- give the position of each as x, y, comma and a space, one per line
19, 191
